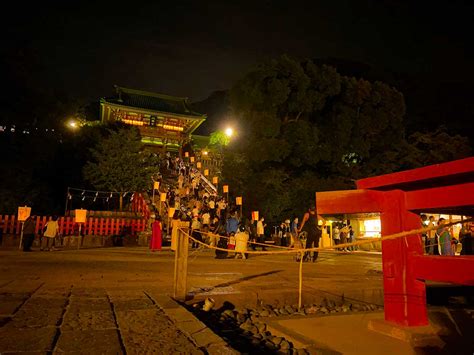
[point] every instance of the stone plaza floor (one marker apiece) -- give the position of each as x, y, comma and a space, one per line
104, 300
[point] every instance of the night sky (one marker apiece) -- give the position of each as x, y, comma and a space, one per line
192, 48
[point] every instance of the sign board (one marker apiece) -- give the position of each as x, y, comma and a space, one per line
156, 185
238, 201
206, 172
192, 159
23, 213
225, 188
186, 154
80, 216
254, 215
215, 180
171, 212
163, 197
198, 164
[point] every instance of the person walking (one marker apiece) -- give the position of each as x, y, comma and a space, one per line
432, 247
156, 237
444, 238
466, 235
336, 235
29, 233
309, 224
51, 232
175, 224
241, 241
261, 232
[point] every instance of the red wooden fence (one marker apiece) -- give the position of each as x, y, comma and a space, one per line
67, 226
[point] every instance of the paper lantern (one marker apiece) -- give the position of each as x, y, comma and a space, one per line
225, 188
156, 185
206, 172
23, 213
238, 201
80, 216
198, 164
192, 159
186, 154
215, 180
254, 215
171, 212
163, 197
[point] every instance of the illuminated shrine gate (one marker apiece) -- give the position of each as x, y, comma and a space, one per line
166, 122
446, 188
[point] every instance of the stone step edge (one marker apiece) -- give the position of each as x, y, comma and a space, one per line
203, 337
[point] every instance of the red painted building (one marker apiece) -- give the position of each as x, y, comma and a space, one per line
164, 121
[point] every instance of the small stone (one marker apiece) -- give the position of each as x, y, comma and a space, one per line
265, 313
268, 344
240, 318
338, 309
255, 341
253, 330
258, 336
324, 310
356, 306
284, 345
262, 327
333, 311
254, 318
283, 311
228, 313
345, 308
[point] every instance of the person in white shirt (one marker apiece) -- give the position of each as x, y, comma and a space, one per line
51, 232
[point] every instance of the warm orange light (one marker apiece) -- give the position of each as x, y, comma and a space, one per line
215, 180
238, 201
206, 172
225, 188
198, 164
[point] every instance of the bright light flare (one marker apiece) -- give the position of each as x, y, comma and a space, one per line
229, 132
72, 124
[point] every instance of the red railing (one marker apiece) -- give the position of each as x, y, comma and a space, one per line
67, 226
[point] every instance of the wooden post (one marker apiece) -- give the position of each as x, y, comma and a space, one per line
181, 266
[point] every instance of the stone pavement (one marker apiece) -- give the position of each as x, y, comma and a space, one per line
108, 300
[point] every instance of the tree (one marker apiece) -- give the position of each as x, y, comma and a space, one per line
120, 164
307, 128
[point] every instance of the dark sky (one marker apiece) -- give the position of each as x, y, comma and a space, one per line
191, 48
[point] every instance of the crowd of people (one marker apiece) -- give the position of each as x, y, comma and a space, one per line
209, 215
442, 241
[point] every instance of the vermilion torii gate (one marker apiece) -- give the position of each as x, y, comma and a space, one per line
446, 188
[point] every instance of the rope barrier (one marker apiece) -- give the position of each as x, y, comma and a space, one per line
302, 251
339, 246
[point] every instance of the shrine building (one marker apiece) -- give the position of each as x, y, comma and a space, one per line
164, 121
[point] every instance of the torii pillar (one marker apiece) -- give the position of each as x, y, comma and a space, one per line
399, 198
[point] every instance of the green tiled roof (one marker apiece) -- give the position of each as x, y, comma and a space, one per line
152, 101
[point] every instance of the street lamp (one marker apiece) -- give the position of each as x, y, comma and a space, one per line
229, 132
72, 124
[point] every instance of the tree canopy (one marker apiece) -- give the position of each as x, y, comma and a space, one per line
119, 163
306, 128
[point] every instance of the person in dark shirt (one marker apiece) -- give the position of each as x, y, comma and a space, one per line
29, 233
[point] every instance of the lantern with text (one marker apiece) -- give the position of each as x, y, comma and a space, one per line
215, 180
186, 154
156, 185
163, 197
191, 159
198, 165
206, 172
225, 189
238, 200
80, 216
23, 214
254, 215
171, 211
